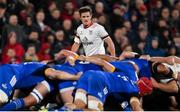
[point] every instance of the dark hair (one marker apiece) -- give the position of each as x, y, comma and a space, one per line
85, 9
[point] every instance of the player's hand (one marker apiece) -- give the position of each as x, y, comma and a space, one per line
146, 57
154, 83
79, 74
71, 60
82, 58
56, 56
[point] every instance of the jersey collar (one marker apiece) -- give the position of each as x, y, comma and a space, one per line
87, 26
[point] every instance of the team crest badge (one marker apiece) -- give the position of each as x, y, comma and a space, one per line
90, 32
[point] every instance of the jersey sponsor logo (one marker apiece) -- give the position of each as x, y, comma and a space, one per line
13, 81
123, 77
105, 91
124, 104
75, 83
4, 86
86, 42
100, 94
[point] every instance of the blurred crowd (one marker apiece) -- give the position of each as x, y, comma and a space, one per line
35, 30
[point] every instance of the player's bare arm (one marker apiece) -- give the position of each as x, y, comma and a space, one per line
106, 65
170, 87
127, 54
135, 104
76, 45
65, 53
110, 44
55, 74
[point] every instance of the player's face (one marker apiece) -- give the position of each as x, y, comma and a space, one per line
86, 18
163, 69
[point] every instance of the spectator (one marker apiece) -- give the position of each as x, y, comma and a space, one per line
172, 50
117, 17
76, 19
50, 39
134, 20
13, 26
68, 31
10, 57
44, 53
2, 16
165, 39
30, 26
102, 20
155, 50
33, 39
165, 14
13, 51
175, 23
68, 10
40, 16
60, 42
28, 11
131, 34
54, 20
99, 9
2, 20
30, 54
120, 40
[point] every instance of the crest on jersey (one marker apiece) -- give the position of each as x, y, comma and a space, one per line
84, 39
85, 42
90, 32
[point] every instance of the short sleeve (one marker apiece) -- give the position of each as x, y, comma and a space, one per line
77, 38
102, 32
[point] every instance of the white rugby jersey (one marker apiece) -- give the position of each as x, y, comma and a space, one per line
91, 38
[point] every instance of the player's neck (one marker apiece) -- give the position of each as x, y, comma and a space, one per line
87, 26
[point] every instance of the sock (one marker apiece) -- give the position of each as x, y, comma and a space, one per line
14, 105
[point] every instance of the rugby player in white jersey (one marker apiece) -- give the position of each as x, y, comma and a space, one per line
91, 35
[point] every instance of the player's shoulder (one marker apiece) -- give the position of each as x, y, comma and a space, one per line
80, 27
96, 25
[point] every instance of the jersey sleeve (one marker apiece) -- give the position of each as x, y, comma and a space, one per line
77, 38
102, 32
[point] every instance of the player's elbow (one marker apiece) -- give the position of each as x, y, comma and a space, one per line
175, 88
51, 73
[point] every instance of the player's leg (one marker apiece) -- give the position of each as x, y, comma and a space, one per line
94, 104
80, 101
38, 93
65, 91
7, 82
67, 96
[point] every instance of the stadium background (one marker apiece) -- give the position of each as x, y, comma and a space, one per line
35, 30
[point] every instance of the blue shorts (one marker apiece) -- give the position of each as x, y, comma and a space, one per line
94, 83
66, 85
31, 81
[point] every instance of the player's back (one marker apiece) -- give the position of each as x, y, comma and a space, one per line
122, 83
28, 68
126, 67
82, 66
143, 65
